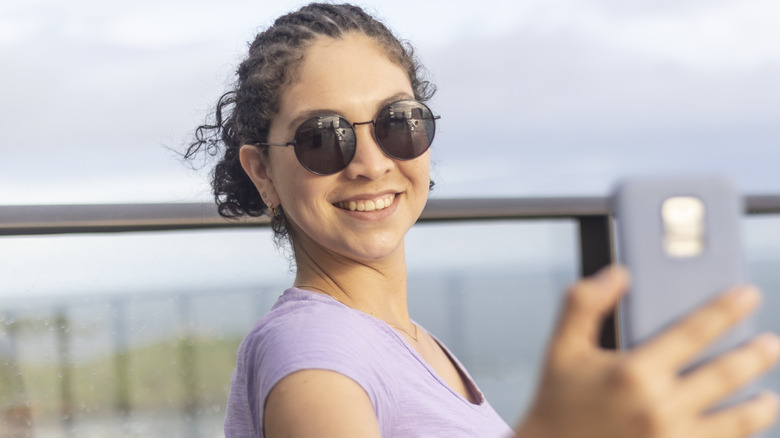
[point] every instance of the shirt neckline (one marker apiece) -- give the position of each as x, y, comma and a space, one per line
471, 386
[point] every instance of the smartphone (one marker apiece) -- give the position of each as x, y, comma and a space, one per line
680, 240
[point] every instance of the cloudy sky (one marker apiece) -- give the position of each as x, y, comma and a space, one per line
540, 97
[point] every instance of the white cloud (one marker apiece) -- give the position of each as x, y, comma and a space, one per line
736, 34
13, 32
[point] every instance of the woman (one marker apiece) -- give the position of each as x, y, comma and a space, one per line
326, 132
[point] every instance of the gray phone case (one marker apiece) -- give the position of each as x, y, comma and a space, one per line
665, 288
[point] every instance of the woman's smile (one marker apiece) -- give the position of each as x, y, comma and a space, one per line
367, 204
364, 211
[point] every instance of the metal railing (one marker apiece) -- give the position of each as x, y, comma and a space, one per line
106, 218
591, 213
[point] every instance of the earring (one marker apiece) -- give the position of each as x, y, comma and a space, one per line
271, 209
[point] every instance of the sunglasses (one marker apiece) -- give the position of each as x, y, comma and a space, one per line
325, 144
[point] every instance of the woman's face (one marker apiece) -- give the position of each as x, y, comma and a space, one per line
351, 77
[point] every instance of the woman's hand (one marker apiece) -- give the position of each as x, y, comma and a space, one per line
588, 392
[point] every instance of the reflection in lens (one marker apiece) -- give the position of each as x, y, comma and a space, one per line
405, 129
325, 145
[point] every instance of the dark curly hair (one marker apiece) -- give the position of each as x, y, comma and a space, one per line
243, 115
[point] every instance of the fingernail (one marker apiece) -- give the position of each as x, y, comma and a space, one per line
746, 296
608, 274
604, 275
770, 343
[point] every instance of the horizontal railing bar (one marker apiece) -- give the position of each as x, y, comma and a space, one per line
100, 218
762, 204
55, 219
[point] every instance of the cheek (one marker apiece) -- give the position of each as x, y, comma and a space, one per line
300, 192
286, 174
281, 160
420, 169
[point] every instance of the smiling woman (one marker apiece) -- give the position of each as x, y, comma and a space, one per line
327, 132
312, 202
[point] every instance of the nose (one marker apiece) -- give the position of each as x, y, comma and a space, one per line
370, 161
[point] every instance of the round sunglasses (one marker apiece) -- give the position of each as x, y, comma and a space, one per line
325, 144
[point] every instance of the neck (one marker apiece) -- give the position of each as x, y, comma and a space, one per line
377, 288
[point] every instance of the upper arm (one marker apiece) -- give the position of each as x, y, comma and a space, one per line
319, 403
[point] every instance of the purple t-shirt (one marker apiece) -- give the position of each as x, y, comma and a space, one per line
308, 330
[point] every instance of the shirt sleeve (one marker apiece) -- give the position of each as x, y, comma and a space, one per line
312, 337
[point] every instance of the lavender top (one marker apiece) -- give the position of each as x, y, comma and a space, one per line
308, 330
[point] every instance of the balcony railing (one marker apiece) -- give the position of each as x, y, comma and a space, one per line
590, 214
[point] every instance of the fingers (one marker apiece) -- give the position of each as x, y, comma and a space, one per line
744, 419
677, 346
721, 377
587, 303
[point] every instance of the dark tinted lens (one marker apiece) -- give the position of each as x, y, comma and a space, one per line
325, 144
405, 129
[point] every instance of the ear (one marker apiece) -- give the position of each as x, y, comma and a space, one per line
256, 165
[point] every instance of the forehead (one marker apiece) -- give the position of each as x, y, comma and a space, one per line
349, 74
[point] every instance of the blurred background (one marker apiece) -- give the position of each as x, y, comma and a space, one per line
134, 334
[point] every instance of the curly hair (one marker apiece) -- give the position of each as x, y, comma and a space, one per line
243, 114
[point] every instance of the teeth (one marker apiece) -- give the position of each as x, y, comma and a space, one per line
368, 205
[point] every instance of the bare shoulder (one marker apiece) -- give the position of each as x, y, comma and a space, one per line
319, 403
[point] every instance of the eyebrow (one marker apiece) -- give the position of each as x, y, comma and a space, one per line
325, 111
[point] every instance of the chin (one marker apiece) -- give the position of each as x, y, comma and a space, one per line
374, 251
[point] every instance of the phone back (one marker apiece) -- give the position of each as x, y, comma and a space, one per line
680, 239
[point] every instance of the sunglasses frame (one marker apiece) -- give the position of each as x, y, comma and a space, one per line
352, 126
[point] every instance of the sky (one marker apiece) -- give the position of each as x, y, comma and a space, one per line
538, 98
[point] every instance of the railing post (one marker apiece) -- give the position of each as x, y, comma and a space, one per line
122, 401
15, 412
67, 406
188, 366
595, 253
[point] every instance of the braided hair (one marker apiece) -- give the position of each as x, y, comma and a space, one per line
243, 114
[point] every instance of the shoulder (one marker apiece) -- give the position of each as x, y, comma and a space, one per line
304, 331
304, 322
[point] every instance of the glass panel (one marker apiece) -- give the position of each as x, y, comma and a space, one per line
135, 334
490, 291
130, 334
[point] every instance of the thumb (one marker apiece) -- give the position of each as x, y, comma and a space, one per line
588, 301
